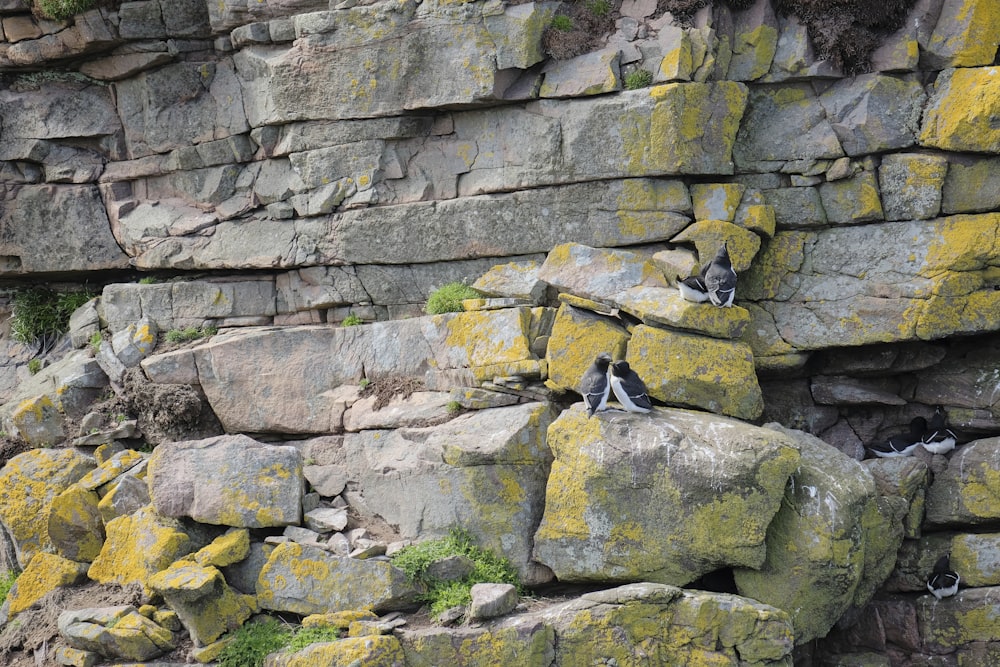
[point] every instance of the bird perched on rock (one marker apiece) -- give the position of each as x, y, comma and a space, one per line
943, 582
629, 388
594, 385
904, 443
720, 279
938, 438
693, 288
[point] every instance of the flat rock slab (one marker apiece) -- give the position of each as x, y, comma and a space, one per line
229, 480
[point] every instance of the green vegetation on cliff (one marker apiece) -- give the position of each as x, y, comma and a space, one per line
487, 567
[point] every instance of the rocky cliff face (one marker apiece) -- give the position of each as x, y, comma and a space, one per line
278, 170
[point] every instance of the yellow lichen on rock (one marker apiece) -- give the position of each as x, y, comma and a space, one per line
716, 201
45, 573
29, 483
370, 651
138, 546
709, 235
697, 371
577, 337
75, 527
962, 111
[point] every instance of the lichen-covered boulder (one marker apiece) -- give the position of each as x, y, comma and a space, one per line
709, 235
76, 527
115, 633
29, 483
45, 573
960, 111
631, 623
229, 480
665, 307
370, 651
662, 497
138, 546
964, 35
518, 639
304, 580
577, 337
206, 605
828, 544
698, 371
838, 287
965, 492
484, 471
597, 273
963, 619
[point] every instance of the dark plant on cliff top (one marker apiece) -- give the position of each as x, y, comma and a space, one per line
41, 315
60, 10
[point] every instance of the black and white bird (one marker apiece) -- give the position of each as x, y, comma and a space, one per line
902, 444
720, 279
943, 582
629, 388
693, 288
938, 438
594, 385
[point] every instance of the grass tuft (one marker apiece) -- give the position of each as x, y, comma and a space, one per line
640, 78
189, 334
40, 313
6, 583
562, 22
253, 642
60, 10
352, 320
448, 298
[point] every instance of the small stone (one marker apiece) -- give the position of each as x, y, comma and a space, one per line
492, 600
452, 568
339, 544
326, 519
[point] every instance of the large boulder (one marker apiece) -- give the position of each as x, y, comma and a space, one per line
965, 492
484, 471
627, 625
666, 497
29, 484
829, 543
333, 583
229, 480
839, 287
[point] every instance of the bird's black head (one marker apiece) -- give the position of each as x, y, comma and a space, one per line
620, 368
918, 425
603, 360
943, 564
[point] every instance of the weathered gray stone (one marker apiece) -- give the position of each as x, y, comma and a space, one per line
421, 408
484, 470
592, 73
944, 292
755, 40
81, 239
115, 633
962, 493
227, 480
852, 200
972, 185
517, 33
75, 525
612, 508
326, 519
155, 123
911, 186
492, 600
337, 584
873, 113
784, 123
